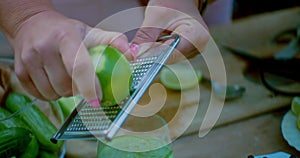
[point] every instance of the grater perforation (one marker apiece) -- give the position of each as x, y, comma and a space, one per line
87, 122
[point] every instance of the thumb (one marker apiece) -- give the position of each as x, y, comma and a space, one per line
144, 36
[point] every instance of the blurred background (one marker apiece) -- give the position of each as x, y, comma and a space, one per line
243, 8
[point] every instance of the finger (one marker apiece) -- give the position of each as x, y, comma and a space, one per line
76, 59
57, 73
121, 43
146, 35
144, 39
192, 42
25, 80
33, 64
117, 40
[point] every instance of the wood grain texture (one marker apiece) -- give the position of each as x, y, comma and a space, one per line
256, 136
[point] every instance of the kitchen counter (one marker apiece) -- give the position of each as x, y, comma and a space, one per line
253, 136
238, 133
250, 125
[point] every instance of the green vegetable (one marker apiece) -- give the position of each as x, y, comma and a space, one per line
31, 150
13, 141
11, 122
180, 76
46, 154
68, 104
114, 73
38, 122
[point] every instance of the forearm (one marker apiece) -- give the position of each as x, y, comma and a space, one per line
14, 12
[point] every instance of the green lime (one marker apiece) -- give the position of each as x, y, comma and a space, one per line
127, 146
180, 76
114, 73
68, 104
296, 106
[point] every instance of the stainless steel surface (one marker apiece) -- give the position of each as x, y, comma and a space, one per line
87, 122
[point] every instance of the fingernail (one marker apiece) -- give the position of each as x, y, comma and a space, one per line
95, 103
134, 49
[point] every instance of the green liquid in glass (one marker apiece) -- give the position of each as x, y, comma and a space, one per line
135, 147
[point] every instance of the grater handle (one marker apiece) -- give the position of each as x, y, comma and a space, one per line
143, 85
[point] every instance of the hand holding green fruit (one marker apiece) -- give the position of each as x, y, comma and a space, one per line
114, 73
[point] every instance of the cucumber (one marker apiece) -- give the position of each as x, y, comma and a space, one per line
13, 141
11, 122
46, 154
38, 122
31, 150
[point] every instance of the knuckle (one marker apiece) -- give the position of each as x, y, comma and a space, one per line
40, 47
28, 57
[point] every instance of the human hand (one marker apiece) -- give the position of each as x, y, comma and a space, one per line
172, 16
52, 59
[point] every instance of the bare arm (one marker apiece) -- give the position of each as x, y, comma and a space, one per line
51, 51
14, 12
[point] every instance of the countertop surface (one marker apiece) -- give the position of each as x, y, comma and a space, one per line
250, 125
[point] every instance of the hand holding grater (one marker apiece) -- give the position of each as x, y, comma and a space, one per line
87, 122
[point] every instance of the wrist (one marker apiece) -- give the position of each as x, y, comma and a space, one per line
13, 13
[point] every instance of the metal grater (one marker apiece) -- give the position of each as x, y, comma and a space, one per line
87, 122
